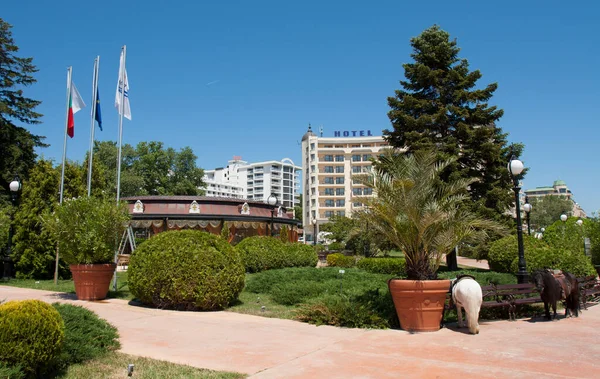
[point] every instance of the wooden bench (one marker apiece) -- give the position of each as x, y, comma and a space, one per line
511, 295
589, 287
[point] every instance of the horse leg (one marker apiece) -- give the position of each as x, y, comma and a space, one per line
547, 310
459, 314
555, 315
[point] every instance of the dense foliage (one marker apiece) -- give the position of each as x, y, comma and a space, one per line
421, 215
86, 335
149, 169
31, 335
340, 260
17, 144
539, 254
442, 107
186, 270
34, 247
261, 253
547, 210
390, 266
86, 229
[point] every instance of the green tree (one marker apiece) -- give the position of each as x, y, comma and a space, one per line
105, 164
298, 209
340, 228
16, 143
33, 247
186, 177
546, 210
441, 108
419, 213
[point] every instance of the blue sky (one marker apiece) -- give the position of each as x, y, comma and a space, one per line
245, 78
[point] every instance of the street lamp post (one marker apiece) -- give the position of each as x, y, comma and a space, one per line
272, 201
515, 167
15, 187
527, 208
314, 222
563, 218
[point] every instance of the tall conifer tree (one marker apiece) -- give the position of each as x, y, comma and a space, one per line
440, 107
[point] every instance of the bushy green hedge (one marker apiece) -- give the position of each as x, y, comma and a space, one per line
31, 335
504, 251
340, 260
186, 270
503, 257
391, 266
87, 336
336, 246
261, 253
574, 262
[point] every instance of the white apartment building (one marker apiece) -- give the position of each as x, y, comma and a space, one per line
329, 164
255, 181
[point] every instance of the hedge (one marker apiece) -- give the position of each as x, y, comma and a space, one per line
391, 266
340, 260
260, 253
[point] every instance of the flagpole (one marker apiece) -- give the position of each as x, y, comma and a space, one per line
92, 129
121, 112
62, 174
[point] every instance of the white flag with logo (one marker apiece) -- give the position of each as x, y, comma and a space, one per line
123, 87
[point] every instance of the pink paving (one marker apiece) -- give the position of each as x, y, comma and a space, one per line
273, 348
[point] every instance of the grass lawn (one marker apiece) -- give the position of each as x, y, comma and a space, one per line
114, 365
68, 286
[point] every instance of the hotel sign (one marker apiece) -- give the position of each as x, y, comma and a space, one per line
352, 133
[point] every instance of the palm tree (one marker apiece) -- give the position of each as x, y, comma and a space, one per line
420, 214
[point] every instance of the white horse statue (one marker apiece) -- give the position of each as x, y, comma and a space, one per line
467, 294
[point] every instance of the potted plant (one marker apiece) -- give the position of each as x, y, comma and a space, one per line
86, 230
425, 218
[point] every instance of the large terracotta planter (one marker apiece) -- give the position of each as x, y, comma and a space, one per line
92, 281
419, 303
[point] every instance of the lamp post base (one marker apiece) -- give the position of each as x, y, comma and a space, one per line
522, 277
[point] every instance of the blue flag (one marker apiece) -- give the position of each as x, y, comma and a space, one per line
98, 115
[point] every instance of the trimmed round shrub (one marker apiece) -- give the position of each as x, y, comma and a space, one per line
261, 253
87, 336
391, 266
186, 270
300, 255
574, 262
340, 260
31, 334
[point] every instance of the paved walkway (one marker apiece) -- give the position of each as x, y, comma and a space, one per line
469, 262
273, 348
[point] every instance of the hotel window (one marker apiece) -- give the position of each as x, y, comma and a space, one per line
312, 146
355, 181
340, 203
339, 158
356, 169
368, 191
328, 158
366, 157
356, 158
312, 168
312, 157
328, 191
357, 191
357, 204
339, 180
329, 169
312, 180
339, 192
328, 214
341, 213
328, 180
339, 169
329, 203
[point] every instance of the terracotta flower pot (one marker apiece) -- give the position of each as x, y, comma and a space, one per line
419, 303
92, 281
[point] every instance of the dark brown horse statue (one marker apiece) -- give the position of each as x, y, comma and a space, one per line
554, 286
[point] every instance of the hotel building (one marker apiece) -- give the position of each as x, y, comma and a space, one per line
328, 164
559, 188
255, 181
